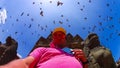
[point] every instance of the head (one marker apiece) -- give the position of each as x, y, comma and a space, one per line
59, 37
92, 40
0, 42
8, 41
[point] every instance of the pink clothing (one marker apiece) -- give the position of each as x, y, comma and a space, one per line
54, 58
52, 45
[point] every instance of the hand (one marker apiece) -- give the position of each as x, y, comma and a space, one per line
79, 55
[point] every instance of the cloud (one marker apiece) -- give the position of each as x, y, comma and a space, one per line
3, 16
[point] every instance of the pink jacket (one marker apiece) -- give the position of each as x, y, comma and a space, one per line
54, 58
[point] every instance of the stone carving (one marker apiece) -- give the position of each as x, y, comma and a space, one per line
8, 51
97, 55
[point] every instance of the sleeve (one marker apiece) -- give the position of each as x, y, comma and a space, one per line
36, 54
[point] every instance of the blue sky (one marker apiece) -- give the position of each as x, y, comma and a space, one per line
25, 24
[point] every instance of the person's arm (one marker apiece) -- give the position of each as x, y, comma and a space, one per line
28, 60
32, 60
20, 63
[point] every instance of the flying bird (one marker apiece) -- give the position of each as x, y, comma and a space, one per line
99, 16
85, 18
40, 2
16, 32
100, 23
40, 8
81, 9
17, 20
50, 1
89, 1
54, 22
119, 34
78, 2
42, 28
94, 27
46, 26
69, 25
28, 14
29, 26
59, 3
67, 20
83, 28
38, 25
32, 19
2, 30
60, 22
33, 2
61, 15
22, 14
41, 13
107, 5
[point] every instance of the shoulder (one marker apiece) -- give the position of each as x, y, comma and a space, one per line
43, 49
38, 52
40, 49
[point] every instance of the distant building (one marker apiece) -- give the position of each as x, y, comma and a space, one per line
72, 41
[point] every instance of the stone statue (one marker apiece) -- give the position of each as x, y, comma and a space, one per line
97, 55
